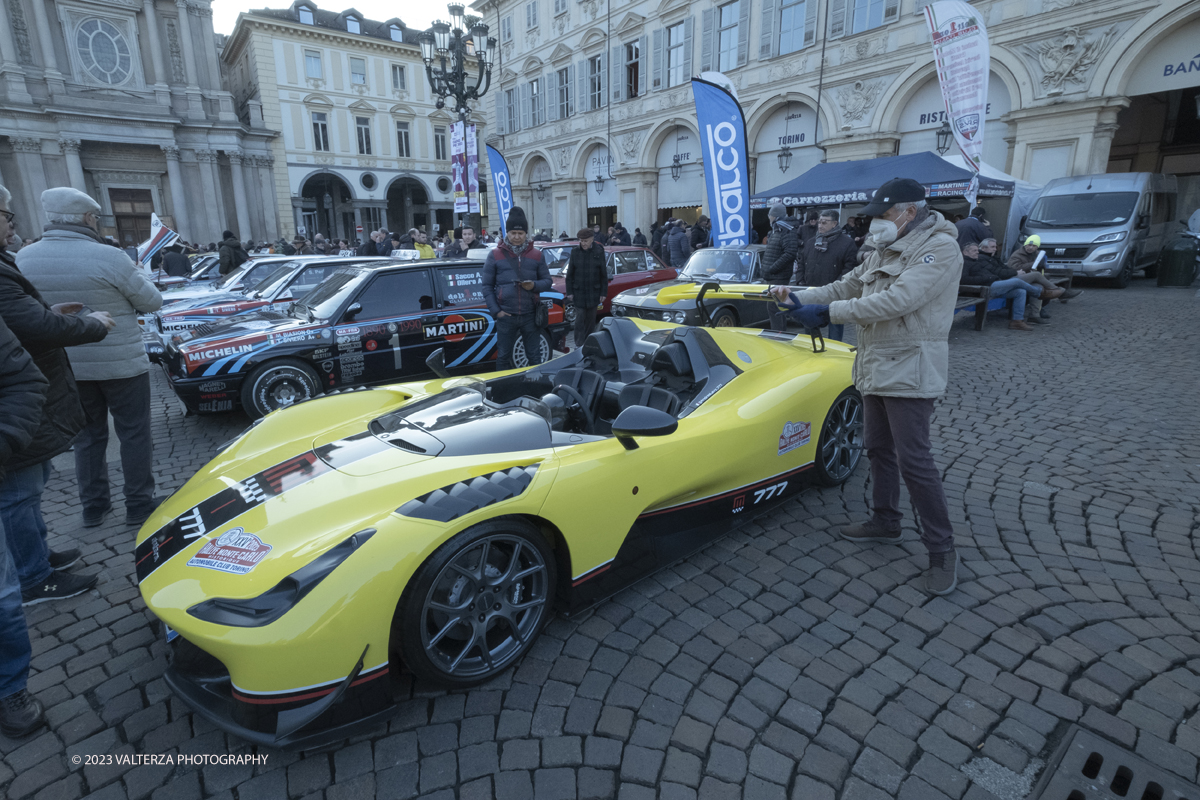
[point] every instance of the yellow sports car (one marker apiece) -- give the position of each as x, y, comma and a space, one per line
434, 527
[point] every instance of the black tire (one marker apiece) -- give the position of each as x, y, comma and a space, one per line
840, 446
1123, 277
278, 384
443, 632
518, 359
724, 318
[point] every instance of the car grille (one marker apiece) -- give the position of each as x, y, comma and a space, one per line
1068, 253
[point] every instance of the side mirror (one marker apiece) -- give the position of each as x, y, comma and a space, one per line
642, 421
1024, 219
1143, 221
437, 363
352, 311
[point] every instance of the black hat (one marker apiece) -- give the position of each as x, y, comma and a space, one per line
978, 212
516, 220
897, 190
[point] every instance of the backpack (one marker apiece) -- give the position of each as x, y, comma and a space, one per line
240, 256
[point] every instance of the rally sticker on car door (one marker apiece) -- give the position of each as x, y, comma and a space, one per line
234, 551
795, 434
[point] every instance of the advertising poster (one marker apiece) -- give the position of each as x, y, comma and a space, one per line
960, 50
502, 184
472, 171
458, 165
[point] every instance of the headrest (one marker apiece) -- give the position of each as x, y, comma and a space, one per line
673, 359
599, 344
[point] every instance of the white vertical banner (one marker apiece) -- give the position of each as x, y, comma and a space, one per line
458, 165
960, 50
472, 171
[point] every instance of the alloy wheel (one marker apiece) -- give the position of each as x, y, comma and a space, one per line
485, 606
842, 438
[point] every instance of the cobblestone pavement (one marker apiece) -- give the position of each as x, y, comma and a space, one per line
781, 661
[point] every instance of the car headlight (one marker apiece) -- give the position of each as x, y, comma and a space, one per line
1109, 237
666, 315
254, 612
680, 316
1106, 257
619, 310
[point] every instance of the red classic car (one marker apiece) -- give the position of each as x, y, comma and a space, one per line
628, 268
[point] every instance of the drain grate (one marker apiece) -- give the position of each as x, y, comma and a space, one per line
1088, 767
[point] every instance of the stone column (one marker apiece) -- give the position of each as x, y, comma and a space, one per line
241, 207
28, 152
183, 224
212, 198
162, 95
195, 104
266, 178
70, 149
54, 78
12, 76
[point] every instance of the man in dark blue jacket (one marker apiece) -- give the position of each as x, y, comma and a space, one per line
514, 276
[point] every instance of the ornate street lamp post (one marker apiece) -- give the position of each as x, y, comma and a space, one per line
458, 61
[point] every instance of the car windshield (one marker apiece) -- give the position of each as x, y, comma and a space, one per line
247, 275
202, 265
1090, 210
323, 301
276, 278
734, 266
557, 257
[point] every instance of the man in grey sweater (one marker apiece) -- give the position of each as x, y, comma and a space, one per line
71, 263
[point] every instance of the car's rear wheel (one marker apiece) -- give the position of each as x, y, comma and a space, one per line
478, 603
519, 360
724, 318
840, 447
278, 384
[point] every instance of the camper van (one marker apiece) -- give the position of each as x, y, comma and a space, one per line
1104, 226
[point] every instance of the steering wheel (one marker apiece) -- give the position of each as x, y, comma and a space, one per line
577, 404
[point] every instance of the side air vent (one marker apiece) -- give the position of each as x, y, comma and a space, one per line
453, 501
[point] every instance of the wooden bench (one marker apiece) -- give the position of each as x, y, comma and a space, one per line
974, 296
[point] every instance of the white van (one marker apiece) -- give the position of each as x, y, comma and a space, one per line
1104, 226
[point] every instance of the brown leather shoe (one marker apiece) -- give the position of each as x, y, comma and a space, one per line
1019, 325
871, 531
1053, 294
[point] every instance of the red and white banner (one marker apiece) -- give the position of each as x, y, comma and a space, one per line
472, 170
458, 164
960, 49
160, 236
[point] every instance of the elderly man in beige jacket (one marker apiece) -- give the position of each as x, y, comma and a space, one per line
902, 299
72, 263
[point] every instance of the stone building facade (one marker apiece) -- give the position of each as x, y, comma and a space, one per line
124, 99
594, 113
361, 142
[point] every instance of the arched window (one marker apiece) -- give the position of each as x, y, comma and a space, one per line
104, 52
352, 25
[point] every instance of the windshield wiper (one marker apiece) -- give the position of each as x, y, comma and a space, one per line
1042, 222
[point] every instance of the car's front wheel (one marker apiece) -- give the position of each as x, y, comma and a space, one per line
840, 447
724, 318
519, 359
278, 384
478, 603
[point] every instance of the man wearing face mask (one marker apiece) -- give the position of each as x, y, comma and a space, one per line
902, 299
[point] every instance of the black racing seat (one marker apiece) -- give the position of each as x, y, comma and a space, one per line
643, 394
600, 351
672, 364
588, 383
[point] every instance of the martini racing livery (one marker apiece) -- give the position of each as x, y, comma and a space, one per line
430, 529
366, 323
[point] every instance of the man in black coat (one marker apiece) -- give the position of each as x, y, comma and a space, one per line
639, 238
826, 257
779, 260
175, 262
22, 397
44, 331
514, 277
974, 229
701, 235
587, 282
620, 236
231, 253
463, 245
